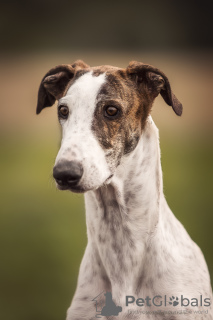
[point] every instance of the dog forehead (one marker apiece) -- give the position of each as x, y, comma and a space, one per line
96, 82
87, 84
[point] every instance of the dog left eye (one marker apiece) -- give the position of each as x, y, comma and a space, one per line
111, 111
63, 112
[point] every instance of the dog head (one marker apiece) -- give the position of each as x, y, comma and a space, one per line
102, 111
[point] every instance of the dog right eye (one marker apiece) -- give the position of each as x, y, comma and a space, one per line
111, 112
63, 112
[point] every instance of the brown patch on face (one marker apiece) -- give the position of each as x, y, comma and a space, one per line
122, 133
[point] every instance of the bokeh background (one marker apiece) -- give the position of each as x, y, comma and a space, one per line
42, 230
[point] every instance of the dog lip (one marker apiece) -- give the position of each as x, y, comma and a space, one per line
111, 175
66, 184
62, 186
70, 187
59, 182
73, 187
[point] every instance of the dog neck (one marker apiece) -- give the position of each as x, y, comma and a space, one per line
122, 216
136, 189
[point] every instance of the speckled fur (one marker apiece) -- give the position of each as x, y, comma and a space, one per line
136, 246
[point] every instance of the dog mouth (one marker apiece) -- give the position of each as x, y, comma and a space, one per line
108, 179
72, 188
77, 188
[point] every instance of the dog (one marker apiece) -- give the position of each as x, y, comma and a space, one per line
137, 250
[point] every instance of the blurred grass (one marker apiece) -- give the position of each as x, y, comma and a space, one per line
43, 233
188, 186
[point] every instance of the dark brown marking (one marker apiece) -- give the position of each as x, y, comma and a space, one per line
73, 154
105, 278
150, 284
101, 238
140, 282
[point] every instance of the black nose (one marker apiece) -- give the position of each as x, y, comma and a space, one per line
68, 173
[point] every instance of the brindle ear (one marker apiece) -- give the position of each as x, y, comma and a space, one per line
54, 83
158, 81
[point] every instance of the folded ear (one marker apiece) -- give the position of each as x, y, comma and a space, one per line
157, 82
54, 84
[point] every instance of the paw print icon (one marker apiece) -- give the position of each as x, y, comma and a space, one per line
174, 301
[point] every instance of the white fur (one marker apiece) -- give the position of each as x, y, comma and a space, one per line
78, 141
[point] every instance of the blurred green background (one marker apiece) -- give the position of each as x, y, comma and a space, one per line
42, 230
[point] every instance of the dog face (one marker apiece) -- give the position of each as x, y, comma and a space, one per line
102, 111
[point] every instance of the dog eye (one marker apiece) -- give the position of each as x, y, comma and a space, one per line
63, 112
111, 111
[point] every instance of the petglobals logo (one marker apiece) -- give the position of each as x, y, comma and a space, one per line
106, 307
159, 301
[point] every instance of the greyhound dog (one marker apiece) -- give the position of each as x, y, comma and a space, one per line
137, 250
